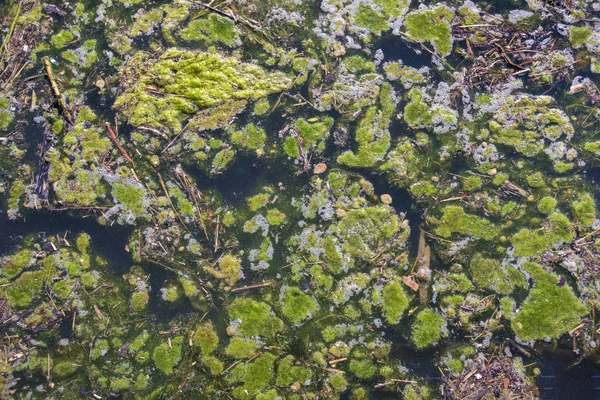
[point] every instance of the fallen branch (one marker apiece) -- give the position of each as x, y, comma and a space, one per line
260, 285
59, 99
115, 140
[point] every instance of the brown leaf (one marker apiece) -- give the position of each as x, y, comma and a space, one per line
407, 280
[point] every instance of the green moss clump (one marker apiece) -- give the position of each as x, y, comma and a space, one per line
584, 209
431, 25
275, 217
313, 132
394, 303
255, 376
338, 383
472, 183
373, 138
212, 30
455, 220
366, 17
221, 161
166, 357
364, 230
250, 138
256, 318
488, 274
427, 329
290, 147
27, 286
535, 180
189, 82
550, 310
17, 190
262, 106
15, 264
206, 338
131, 196
416, 113
61, 39
64, 369
139, 301
241, 348
363, 368
297, 306
229, 269
530, 243
546, 205
578, 36
288, 374
257, 202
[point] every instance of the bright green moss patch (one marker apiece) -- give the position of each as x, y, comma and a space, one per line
131, 196
488, 274
427, 328
275, 217
584, 209
241, 348
578, 36
206, 338
290, 147
550, 309
250, 138
257, 202
61, 39
167, 356
254, 377
190, 82
256, 318
455, 220
229, 269
211, 30
15, 264
530, 243
297, 306
433, 26
395, 302
371, 20
364, 230
546, 205
416, 113
287, 373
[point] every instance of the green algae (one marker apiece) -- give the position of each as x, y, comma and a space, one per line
256, 318
455, 220
297, 306
578, 36
427, 329
212, 30
229, 269
167, 355
254, 377
432, 25
394, 303
549, 310
190, 82
131, 196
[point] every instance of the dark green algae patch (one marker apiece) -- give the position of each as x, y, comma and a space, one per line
295, 199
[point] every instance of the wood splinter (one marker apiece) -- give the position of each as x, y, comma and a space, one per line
113, 137
59, 99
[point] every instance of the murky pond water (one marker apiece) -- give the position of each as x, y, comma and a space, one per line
299, 199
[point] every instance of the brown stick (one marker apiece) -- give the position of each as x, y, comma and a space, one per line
115, 140
260, 285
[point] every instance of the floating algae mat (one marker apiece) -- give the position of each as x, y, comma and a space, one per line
298, 199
